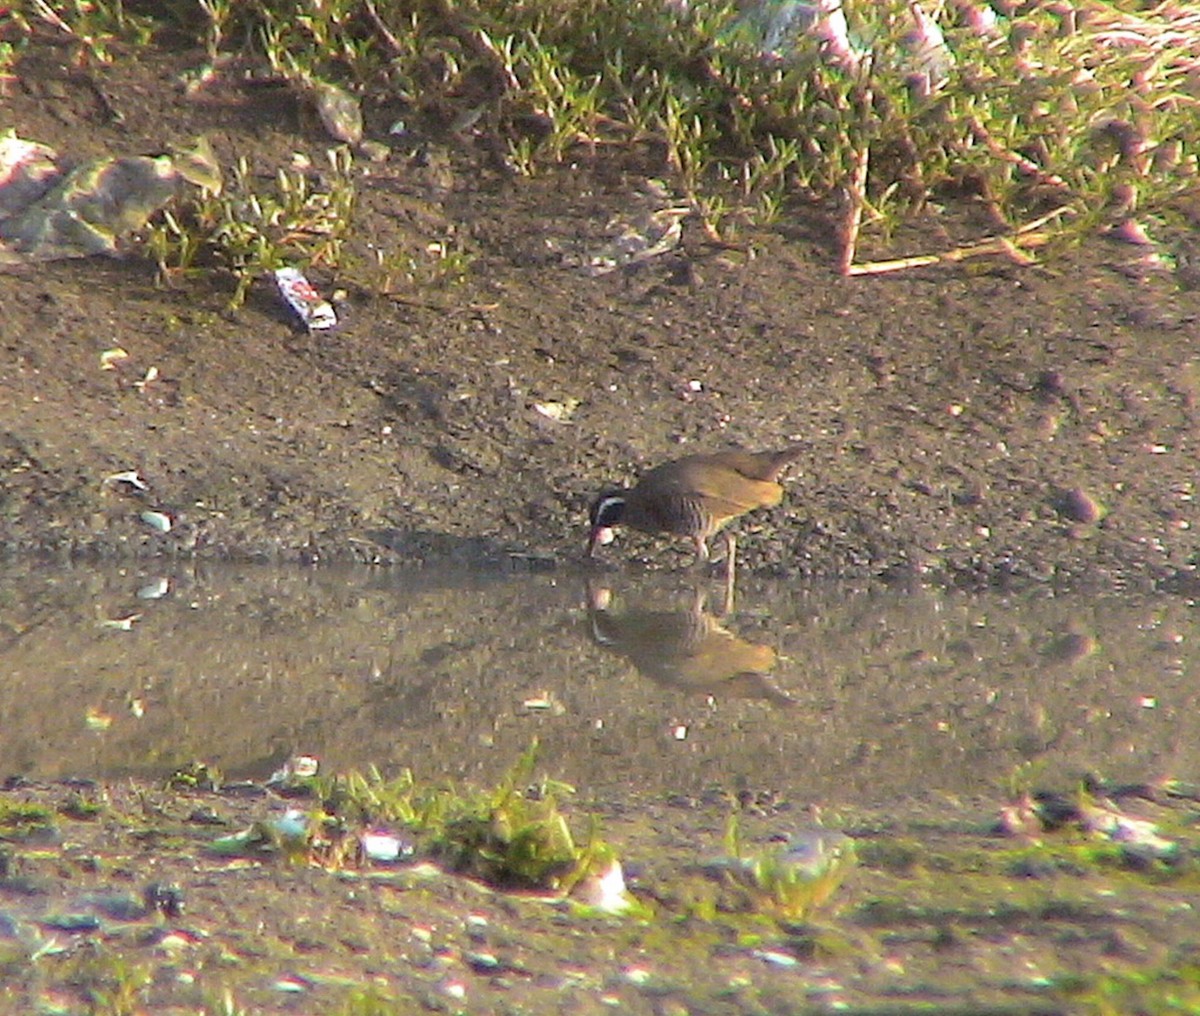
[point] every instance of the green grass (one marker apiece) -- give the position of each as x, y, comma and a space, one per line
1042, 113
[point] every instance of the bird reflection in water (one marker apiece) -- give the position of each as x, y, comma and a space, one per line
689, 649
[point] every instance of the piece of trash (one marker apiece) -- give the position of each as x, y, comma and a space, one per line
157, 520
543, 703
111, 357
129, 476
296, 769
653, 234
775, 958
930, 58
384, 846
1138, 837
289, 831
302, 297
775, 29
813, 852
89, 209
795, 877
27, 171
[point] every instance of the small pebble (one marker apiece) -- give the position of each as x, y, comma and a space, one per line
1079, 506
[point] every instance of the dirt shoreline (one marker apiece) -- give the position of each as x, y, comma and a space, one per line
969, 424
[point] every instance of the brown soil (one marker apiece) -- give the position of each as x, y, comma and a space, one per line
948, 411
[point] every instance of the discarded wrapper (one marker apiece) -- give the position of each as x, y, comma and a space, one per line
300, 294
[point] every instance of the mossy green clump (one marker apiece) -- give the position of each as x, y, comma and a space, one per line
514, 835
1170, 990
789, 879
20, 820
195, 776
111, 981
80, 808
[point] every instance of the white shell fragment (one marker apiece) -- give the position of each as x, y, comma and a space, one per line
120, 623
605, 890
155, 590
157, 520
560, 412
150, 375
300, 294
129, 476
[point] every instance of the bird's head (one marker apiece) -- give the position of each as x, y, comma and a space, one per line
606, 512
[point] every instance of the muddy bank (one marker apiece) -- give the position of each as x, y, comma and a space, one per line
968, 424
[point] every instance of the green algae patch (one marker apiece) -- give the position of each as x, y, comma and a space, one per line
788, 879
1162, 991
515, 835
80, 808
20, 820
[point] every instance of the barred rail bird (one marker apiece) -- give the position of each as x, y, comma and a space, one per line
694, 497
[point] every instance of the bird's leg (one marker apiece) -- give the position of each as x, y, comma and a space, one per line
730, 572
701, 550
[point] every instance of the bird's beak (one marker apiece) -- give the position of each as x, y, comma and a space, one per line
601, 535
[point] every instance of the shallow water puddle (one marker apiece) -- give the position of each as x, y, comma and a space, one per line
633, 684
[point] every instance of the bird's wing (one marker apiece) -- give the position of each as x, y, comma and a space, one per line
726, 491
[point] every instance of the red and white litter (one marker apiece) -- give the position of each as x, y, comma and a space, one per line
301, 295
